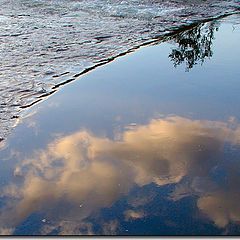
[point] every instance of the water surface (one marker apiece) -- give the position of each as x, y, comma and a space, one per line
146, 145
46, 43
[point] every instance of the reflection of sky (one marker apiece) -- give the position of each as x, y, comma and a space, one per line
79, 174
104, 158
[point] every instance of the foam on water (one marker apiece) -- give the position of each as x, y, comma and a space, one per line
46, 43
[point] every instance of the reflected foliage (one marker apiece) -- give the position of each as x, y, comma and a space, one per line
194, 45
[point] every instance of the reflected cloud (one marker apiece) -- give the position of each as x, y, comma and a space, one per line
6, 231
79, 174
222, 205
68, 228
133, 214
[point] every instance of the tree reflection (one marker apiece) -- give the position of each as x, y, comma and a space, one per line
194, 45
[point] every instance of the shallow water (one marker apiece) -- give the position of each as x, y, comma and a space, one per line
45, 43
146, 145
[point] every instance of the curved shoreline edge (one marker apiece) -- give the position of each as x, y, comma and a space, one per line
167, 34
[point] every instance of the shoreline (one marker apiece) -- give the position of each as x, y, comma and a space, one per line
116, 152
162, 38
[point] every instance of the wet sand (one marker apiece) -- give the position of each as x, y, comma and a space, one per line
145, 145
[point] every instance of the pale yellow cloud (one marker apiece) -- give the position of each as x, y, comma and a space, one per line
133, 214
222, 204
221, 207
68, 228
6, 231
79, 174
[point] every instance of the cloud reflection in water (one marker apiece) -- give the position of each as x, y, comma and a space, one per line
79, 174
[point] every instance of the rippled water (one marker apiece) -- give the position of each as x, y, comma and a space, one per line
46, 43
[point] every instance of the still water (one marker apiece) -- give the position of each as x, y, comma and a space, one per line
146, 145
44, 43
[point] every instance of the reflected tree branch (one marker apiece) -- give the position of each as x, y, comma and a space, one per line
194, 46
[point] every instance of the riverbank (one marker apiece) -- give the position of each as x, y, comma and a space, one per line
145, 145
46, 44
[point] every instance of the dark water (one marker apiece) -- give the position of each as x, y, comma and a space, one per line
45, 43
146, 145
